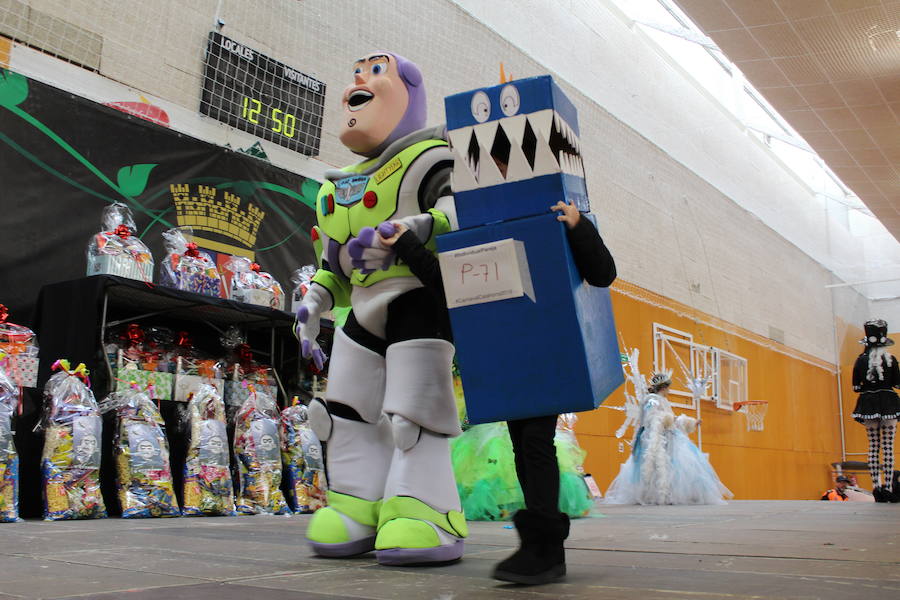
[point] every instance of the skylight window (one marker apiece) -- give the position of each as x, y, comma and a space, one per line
693, 51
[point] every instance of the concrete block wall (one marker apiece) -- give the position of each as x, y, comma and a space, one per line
677, 230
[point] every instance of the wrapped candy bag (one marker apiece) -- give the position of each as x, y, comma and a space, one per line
251, 285
256, 447
302, 279
70, 464
116, 250
9, 459
208, 489
301, 453
143, 473
185, 267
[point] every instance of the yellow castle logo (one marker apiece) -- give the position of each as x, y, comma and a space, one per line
201, 208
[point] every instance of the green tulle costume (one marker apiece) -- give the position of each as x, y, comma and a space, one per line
486, 470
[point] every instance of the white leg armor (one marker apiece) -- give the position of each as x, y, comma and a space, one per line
421, 520
358, 452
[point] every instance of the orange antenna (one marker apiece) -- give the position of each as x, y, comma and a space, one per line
503, 76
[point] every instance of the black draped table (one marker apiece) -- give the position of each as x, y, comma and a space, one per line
71, 321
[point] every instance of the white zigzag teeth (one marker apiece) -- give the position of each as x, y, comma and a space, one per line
541, 121
479, 170
515, 129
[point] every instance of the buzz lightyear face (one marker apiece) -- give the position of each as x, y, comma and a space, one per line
374, 104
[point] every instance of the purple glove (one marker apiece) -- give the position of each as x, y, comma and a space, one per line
368, 253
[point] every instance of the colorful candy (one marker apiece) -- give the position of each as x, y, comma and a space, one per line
301, 453
208, 489
256, 448
143, 472
70, 464
9, 459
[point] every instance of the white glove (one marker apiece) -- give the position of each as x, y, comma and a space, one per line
316, 301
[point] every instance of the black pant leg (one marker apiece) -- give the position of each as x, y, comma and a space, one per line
536, 463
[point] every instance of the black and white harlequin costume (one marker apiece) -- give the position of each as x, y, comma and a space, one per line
875, 375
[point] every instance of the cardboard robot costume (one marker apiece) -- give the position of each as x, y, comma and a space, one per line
389, 408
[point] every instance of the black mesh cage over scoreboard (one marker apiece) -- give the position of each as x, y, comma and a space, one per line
262, 96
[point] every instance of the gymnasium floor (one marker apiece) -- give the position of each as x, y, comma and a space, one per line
748, 549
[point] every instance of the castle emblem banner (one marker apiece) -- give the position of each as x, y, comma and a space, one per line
64, 158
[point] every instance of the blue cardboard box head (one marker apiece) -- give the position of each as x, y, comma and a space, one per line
516, 151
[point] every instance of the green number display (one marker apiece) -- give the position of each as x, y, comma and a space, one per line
284, 123
252, 113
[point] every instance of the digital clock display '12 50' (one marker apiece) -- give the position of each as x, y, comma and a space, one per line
262, 96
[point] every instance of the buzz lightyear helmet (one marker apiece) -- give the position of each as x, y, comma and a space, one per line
659, 380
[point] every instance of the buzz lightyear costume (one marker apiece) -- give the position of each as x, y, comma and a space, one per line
389, 408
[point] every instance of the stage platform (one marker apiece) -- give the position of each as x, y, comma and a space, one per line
748, 549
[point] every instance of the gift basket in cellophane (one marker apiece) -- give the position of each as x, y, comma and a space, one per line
9, 458
20, 351
187, 268
257, 451
117, 250
208, 489
143, 470
250, 284
301, 453
70, 464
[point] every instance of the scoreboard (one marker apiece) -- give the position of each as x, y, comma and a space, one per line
264, 97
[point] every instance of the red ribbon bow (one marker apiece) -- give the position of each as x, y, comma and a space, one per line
122, 231
192, 250
254, 267
183, 340
245, 357
4, 313
135, 334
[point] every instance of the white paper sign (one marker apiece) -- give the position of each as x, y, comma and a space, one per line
486, 273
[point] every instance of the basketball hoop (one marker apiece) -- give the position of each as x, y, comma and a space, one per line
755, 413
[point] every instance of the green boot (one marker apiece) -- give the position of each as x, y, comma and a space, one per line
411, 532
346, 527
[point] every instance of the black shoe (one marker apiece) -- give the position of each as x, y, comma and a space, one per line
541, 557
880, 494
891, 496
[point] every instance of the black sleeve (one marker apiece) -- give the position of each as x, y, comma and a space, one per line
592, 257
895, 373
824, 496
859, 370
421, 261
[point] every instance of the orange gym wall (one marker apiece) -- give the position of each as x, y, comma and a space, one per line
790, 458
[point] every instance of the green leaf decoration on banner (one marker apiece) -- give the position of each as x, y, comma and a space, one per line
132, 180
13, 88
309, 189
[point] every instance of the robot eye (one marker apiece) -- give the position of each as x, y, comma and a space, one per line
481, 107
509, 100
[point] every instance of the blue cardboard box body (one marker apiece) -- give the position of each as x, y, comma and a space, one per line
516, 149
520, 358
